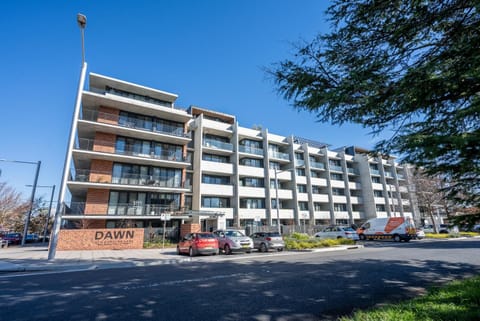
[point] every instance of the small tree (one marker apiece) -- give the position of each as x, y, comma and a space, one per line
12, 208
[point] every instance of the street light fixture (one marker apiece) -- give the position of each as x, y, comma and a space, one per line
32, 197
82, 22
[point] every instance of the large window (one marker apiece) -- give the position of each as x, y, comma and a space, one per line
142, 203
214, 179
215, 202
252, 203
336, 177
137, 147
215, 158
340, 207
338, 191
130, 174
302, 188
303, 206
251, 162
274, 165
252, 182
150, 123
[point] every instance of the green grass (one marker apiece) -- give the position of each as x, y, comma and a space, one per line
450, 235
459, 300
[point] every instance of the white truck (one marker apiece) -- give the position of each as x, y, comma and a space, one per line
396, 228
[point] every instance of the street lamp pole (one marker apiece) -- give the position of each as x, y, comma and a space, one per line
82, 22
32, 197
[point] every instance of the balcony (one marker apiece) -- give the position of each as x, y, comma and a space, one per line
336, 168
278, 155
217, 144
375, 172
145, 125
250, 150
78, 208
128, 150
317, 165
85, 175
352, 171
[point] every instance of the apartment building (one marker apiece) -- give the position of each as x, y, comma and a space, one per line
139, 157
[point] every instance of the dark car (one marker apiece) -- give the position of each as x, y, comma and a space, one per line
13, 238
198, 243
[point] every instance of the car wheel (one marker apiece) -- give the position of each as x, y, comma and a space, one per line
280, 249
227, 249
191, 252
263, 248
339, 237
362, 237
178, 251
249, 252
396, 238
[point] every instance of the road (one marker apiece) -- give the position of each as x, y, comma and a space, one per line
276, 286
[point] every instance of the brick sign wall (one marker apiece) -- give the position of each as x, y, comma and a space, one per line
101, 239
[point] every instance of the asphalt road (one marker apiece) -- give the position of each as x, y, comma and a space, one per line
276, 286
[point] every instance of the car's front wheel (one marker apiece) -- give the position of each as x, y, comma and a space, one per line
396, 238
227, 249
191, 252
362, 237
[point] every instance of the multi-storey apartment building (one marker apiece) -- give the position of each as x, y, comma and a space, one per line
138, 156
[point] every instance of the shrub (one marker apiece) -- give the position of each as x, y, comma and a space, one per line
299, 242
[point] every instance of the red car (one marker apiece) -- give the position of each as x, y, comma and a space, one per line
13, 238
198, 243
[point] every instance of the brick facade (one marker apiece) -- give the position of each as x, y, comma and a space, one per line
108, 115
101, 171
97, 201
100, 239
104, 142
189, 228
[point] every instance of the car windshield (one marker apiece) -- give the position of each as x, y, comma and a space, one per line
205, 235
348, 229
234, 233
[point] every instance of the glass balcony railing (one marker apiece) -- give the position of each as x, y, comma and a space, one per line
299, 162
127, 209
336, 168
250, 150
352, 171
129, 150
142, 124
317, 165
375, 172
85, 175
278, 155
217, 144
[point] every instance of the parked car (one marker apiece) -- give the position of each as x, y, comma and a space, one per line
32, 238
198, 243
420, 234
13, 238
476, 228
337, 232
264, 241
442, 228
233, 241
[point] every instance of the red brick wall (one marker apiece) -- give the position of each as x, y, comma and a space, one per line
97, 201
189, 228
100, 239
108, 115
104, 142
101, 171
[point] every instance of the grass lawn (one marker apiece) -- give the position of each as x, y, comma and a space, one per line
459, 300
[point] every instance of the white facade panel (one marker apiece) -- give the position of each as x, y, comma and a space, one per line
379, 200
217, 190
322, 215
227, 211
250, 171
301, 180
302, 197
320, 198
252, 213
282, 194
214, 167
353, 185
339, 199
319, 181
356, 200
251, 192
341, 215
217, 125
339, 184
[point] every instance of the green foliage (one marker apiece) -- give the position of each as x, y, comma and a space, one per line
300, 241
411, 68
158, 244
457, 301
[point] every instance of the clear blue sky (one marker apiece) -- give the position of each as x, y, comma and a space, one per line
211, 53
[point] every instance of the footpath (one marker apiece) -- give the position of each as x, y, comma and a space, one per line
35, 258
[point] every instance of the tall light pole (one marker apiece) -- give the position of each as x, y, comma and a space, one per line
47, 217
82, 22
32, 197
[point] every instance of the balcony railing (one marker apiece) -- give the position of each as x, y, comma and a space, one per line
85, 175
250, 150
217, 144
78, 208
375, 172
278, 155
352, 171
317, 165
299, 162
129, 150
336, 168
151, 126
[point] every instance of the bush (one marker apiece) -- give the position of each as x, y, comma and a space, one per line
157, 244
298, 241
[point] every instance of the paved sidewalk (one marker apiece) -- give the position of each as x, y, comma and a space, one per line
35, 258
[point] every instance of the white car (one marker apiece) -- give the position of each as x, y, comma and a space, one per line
337, 232
420, 234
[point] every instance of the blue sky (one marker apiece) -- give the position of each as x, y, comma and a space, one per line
211, 53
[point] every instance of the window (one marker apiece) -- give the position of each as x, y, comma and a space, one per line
274, 165
316, 190
215, 158
299, 156
215, 202
317, 207
213, 179
252, 182
252, 203
340, 207
380, 207
336, 177
375, 179
130, 174
251, 162
302, 188
315, 174
251, 143
377, 193
141, 203
303, 206
300, 171
338, 191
